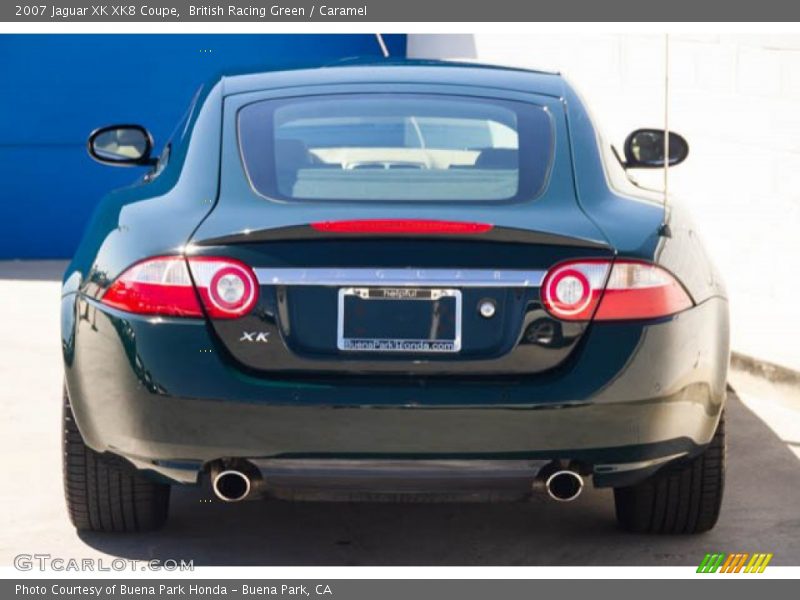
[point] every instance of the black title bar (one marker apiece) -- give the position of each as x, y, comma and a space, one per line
173, 11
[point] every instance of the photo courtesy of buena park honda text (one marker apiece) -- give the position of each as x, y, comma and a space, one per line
375, 299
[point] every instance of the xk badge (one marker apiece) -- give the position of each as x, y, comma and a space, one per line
258, 337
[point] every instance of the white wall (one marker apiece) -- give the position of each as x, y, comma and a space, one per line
737, 100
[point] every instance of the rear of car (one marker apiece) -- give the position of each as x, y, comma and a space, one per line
402, 289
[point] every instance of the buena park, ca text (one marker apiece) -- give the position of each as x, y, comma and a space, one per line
122, 589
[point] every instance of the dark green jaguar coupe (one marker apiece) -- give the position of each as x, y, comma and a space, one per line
406, 280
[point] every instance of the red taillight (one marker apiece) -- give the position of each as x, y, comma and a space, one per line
402, 226
228, 288
575, 291
162, 286
159, 286
637, 290
570, 291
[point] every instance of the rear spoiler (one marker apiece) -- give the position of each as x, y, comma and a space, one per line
400, 228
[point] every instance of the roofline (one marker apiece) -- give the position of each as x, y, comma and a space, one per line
371, 61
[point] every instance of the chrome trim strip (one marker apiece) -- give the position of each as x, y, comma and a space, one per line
401, 277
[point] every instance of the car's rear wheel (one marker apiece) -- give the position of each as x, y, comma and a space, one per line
107, 495
684, 497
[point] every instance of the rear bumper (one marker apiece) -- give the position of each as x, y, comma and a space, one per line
616, 440
159, 393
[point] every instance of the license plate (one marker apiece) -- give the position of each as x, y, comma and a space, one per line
410, 320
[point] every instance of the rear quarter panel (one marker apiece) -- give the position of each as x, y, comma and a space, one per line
637, 225
697, 344
153, 217
147, 218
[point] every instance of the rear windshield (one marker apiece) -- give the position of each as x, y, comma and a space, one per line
395, 147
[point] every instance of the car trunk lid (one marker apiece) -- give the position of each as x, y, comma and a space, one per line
450, 298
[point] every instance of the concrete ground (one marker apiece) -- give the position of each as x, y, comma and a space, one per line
760, 512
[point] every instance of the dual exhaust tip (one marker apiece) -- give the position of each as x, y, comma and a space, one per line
233, 484
564, 485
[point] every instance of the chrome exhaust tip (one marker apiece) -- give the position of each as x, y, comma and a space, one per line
564, 486
231, 485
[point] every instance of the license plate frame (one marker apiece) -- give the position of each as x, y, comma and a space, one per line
398, 345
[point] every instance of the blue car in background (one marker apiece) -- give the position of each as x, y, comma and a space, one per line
401, 280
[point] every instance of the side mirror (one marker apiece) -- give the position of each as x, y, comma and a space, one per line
122, 146
644, 149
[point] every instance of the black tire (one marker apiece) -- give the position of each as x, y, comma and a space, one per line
684, 497
104, 494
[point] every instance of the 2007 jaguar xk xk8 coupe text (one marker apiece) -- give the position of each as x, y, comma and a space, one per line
397, 280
